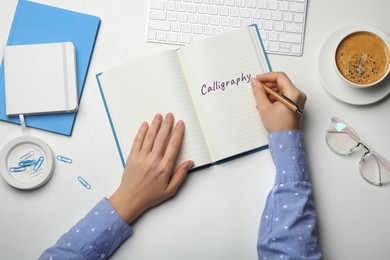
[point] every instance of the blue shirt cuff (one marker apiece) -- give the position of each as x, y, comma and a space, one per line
288, 153
100, 232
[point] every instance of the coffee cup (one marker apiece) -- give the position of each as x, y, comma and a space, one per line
362, 57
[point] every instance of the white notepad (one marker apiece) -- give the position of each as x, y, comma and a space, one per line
40, 78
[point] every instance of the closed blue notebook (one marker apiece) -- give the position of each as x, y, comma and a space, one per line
36, 23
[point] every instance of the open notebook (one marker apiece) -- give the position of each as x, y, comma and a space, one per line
206, 84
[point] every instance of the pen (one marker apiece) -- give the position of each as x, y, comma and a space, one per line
285, 100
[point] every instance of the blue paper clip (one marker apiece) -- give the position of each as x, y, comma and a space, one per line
64, 159
84, 182
26, 163
17, 169
27, 155
39, 163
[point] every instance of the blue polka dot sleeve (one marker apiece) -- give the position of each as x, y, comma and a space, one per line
96, 236
288, 225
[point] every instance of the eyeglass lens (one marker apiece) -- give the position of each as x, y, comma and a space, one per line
342, 139
374, 168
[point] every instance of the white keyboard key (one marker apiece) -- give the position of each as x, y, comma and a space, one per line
191, 8
176, 27
294, 27
158, 15
218, 30
156, 4
172, 16
277, 16
170, 6
244, 13
234, 12
185, 38
208, 30
296, 49
225, 21
268, 25
274, 46
285, 45
157, 25
202, 9
180, 7
297, 7
266, 15
287, 17
230, 2
236, 23
182, 17
198, 29
279, 26
273, 36
214, 20
213, 10
283, 6
240, 3
223, 10
204, 19
262, 4
151, 35
193, 18
256, 14
219, 2
273, 5
186, 28
290, 37
251, 3
284, 50
162, 36
299, 18
172, 37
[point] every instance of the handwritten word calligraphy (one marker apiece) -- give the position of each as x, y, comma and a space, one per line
223, 85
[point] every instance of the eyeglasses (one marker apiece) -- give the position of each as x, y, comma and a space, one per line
342, 139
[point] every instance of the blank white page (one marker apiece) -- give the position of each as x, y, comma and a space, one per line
228, 116
138, 90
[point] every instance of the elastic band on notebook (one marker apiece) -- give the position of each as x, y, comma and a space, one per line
65, 69
23, 123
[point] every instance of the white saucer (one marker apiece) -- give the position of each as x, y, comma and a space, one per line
26, 149
335, 85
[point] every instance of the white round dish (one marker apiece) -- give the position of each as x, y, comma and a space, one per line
335, 85
37, 156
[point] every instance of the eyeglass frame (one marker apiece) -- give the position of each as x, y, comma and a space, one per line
361, 143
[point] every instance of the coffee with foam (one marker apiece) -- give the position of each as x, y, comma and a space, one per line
363, 58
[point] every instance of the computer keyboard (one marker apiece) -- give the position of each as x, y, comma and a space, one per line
281, 23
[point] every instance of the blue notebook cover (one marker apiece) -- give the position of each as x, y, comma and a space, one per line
36, 23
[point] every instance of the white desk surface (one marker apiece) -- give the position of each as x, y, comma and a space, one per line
216, 213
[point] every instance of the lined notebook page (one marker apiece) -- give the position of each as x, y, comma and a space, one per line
218, 71
137, 91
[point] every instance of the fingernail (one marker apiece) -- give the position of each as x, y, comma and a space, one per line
190, 165
169, 116
254, 82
